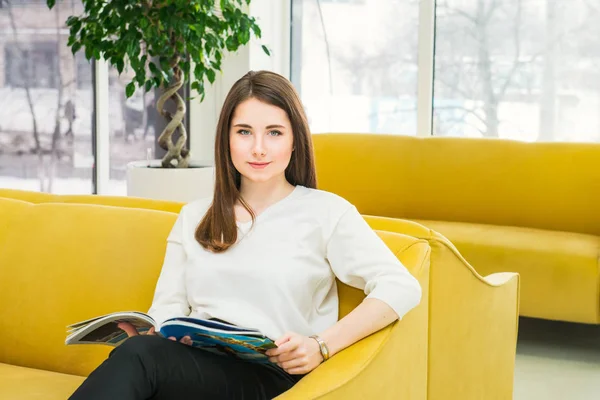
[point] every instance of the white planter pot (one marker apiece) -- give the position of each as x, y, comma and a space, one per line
147, 179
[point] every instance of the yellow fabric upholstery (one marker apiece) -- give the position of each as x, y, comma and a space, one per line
26, 195
133, 202
19, 383
9, 208
61, 263
558, 270
390, 364
554, 186
529, 208
473, 321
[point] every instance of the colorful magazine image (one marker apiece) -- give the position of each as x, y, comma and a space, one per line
212, 335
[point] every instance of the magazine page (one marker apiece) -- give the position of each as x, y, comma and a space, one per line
247, 346
123, 313
105, 330
214, 323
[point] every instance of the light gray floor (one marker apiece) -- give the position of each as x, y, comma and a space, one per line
557, 361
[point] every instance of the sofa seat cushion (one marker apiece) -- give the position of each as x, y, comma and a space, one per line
29, 383
559, 270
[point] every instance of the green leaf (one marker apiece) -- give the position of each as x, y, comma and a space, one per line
164, 63
76, 47
211, 75
120, 65
130, 33
71, 20
256, 30
130, 89
153, 68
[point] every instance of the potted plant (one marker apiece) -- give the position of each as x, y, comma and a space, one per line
164, 42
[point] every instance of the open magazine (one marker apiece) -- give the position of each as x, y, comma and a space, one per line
209, 334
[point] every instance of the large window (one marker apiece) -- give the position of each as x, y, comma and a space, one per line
515, 69
47, 132
45, 108
518, 69
355, 64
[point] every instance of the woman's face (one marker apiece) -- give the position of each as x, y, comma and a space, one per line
260, 141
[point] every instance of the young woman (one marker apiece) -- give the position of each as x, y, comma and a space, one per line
263, 253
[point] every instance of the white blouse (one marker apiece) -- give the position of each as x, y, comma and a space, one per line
280, 275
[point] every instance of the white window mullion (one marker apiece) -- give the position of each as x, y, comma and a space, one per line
102, 128
426, 64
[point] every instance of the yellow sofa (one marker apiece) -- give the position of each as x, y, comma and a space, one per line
531, 208
61, 263
471, 351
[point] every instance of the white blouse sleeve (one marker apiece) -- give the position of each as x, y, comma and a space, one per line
170, 297
360, 258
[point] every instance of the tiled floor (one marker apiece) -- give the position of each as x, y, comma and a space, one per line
557, 361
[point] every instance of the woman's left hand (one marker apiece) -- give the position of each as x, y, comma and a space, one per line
296, 354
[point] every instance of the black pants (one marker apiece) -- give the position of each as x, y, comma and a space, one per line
151, 367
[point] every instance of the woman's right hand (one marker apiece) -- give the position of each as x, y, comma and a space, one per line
132, 331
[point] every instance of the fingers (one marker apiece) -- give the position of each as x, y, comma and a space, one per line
290, 345
151, 331
297, 352
297, 371
286, 337
186, 340
294, 363
128, 328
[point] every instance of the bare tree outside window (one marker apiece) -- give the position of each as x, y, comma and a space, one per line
517, 69
355, 64
46, 106
45, 126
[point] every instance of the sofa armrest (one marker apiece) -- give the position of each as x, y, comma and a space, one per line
473, 321
473, 329
389, 364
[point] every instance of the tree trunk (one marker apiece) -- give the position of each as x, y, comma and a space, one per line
490, 102
175, 151
57, 119
36, 136
548, 95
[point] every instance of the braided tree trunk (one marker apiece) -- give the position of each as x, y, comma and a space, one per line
175, 151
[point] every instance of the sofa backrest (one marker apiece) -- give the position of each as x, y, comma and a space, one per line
9, 209
120, 201
63, 263
491, 181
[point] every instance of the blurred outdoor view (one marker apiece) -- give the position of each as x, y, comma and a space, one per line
516, 69
47, 104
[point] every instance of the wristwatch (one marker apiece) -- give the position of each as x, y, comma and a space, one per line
322, 346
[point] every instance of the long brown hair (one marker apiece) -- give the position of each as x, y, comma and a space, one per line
218, 230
